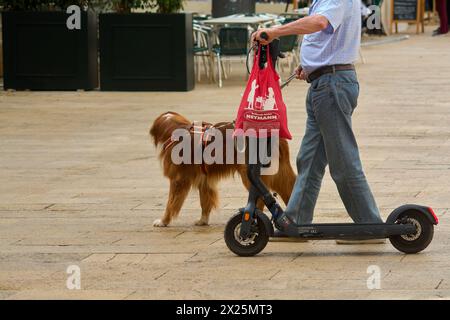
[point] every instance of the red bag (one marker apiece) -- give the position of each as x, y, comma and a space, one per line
262, 105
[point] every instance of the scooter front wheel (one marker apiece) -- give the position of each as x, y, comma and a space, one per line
252, 245
418, 241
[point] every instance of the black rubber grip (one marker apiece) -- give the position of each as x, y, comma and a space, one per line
264, 36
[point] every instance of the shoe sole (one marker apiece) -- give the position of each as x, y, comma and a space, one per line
287, 239
371, 241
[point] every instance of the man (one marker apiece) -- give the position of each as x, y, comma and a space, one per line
328, 51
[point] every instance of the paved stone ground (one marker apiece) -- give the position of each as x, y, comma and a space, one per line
80, 185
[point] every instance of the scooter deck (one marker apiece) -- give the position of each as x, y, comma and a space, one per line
353, 231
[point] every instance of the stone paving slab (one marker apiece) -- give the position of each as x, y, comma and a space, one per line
81, 185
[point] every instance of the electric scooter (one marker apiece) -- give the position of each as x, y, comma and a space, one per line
409, 228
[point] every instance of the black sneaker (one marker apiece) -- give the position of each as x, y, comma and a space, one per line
435, 32
438, 33
286, 225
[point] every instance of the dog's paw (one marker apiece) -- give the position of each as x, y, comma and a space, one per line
201, 223
159, 223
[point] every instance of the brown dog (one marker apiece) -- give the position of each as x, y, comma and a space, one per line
206, 177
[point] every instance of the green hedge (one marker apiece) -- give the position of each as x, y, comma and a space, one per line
161, 6
39, 5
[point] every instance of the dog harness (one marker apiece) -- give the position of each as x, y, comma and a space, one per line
204, 132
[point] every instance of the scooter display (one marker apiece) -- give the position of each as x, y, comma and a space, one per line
409, 228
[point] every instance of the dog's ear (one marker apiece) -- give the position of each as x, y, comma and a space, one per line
158, 128
165, 124
155, 129
153, 133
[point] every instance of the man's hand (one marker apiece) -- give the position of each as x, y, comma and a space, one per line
301, 74
271, 33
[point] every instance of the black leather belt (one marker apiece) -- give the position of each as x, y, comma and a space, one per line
328, 69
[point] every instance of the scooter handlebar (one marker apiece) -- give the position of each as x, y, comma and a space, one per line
264, 35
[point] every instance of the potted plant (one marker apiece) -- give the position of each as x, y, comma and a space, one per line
46, 48
146, 51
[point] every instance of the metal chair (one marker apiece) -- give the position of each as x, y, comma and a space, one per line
233, 45
289, 48
202, 50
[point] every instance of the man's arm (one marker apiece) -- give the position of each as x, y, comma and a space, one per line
305, 25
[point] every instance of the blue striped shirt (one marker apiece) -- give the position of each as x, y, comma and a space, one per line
340, 41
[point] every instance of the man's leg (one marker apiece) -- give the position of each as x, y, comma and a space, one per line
311, 163
441, 7
333, 110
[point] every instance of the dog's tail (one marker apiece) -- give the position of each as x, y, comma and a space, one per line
164, 125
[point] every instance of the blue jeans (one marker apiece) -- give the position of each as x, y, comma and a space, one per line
329, 139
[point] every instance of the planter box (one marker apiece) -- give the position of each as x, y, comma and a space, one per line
41, 53
146, 52
1, 60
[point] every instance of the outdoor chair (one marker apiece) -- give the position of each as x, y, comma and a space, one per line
202, 50
233, 45
289, 47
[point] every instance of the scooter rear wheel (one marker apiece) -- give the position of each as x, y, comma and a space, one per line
414, 243
251, 246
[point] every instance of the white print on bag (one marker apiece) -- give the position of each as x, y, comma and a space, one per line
260, 103
261, 117
251, 95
